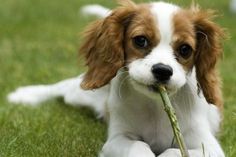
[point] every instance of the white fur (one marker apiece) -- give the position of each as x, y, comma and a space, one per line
95, 10
164, 13
138, 124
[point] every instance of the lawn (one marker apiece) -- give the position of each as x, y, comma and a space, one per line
39, 42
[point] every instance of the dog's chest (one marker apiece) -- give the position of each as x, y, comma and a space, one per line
151, 124
155, 128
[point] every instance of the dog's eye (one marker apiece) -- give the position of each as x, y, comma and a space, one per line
185, 51
140, 41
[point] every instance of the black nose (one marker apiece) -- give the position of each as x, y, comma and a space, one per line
162, 72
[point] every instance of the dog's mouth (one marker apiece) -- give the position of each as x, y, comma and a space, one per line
153, 88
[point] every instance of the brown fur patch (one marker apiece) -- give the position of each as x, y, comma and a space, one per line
208, 47
184, 33
209, 50
108, 42
103, 48
143, 24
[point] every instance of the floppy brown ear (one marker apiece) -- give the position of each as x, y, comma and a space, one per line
103, 47
209, 50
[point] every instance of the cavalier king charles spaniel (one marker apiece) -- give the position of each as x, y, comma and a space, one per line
128, 51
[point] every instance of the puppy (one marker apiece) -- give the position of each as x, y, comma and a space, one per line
132, 48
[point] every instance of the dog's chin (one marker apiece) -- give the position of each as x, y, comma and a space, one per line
151, 90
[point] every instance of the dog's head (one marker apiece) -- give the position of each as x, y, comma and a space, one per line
158, 43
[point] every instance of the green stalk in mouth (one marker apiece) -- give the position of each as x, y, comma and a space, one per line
173, 120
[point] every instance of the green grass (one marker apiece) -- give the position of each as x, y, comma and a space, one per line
39, 40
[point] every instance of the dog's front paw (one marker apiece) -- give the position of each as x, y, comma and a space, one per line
140, 149
192, 153
171, 153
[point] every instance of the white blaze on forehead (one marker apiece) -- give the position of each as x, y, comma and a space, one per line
164, 13
163, 52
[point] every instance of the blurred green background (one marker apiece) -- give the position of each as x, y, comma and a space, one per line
39, 42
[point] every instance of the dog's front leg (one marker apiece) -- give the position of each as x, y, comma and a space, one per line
121, 146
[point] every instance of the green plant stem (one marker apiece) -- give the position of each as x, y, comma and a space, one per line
173, 120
